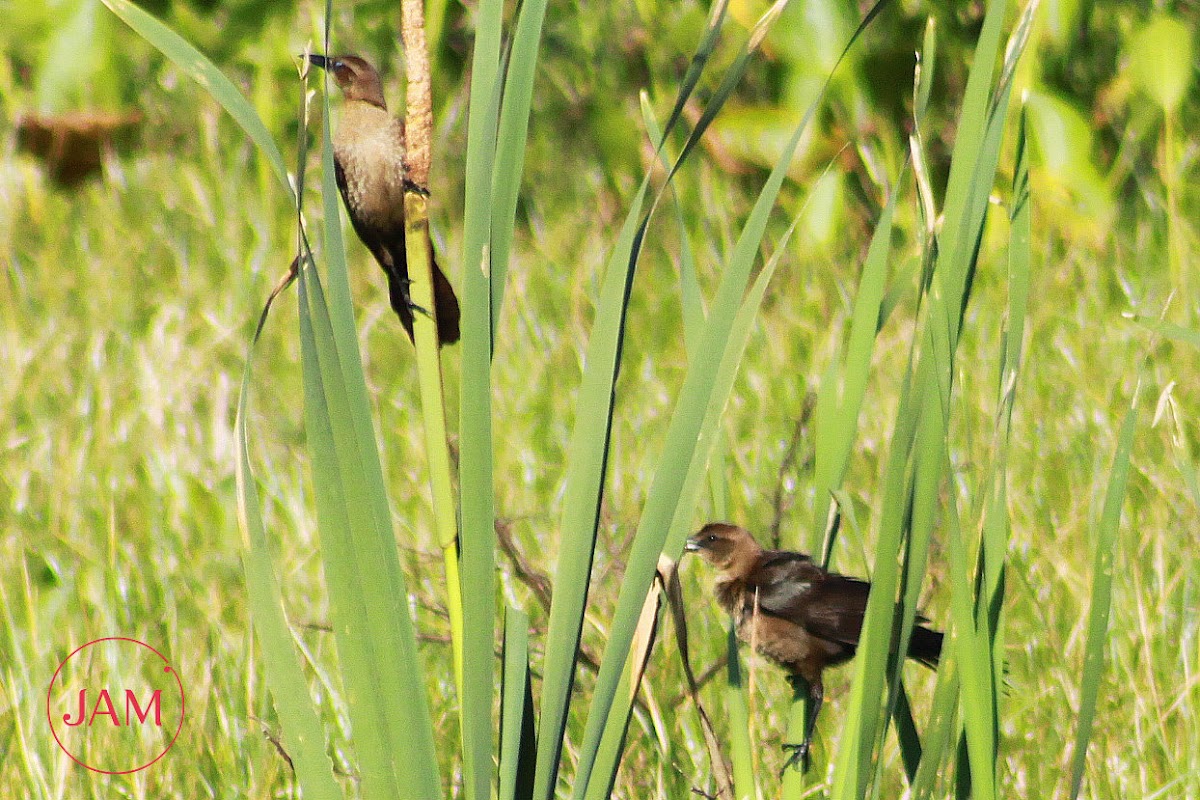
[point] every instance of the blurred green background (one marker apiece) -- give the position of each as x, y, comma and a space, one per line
130, 293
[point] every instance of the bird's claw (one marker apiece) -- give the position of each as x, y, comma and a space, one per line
408, 301
798, 758
413, 186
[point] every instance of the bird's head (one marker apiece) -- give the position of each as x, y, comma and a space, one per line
357, 79
729, 548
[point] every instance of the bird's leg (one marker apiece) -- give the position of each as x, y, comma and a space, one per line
398, 291
406, 296
800, 752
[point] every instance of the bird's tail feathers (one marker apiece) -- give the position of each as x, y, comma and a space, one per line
925, 646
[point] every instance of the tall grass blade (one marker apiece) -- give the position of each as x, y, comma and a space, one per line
973, 652
675, 605
518, 741
689, 284
739, 337
1102, 584
963, 205
302, 733
838, 412
510, 145
613, 744
940, 730
476, 491
587, 461
995, 526
737, 708
1170, 330
980, 661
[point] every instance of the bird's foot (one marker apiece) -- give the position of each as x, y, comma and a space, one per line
408, 301
798, 759
413, 186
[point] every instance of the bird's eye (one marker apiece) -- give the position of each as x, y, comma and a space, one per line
712, 538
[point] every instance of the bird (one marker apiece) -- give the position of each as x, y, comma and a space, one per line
368, 161
800, 616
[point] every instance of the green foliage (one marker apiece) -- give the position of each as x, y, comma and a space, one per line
966, 411
1160, 58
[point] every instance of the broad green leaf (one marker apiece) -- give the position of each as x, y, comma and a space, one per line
1161, 60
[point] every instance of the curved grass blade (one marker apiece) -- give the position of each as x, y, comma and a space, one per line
197, 66
302, 733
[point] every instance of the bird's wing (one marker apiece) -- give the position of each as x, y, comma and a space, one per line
835, 609
825, 604
781, 580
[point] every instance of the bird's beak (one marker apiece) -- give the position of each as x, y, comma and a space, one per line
319, 61
691, 546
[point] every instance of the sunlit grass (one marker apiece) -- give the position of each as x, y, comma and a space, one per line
127, 308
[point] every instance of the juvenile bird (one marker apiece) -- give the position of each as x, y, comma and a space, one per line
807, 619
368, 159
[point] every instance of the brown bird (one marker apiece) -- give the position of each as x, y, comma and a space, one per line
368, 159
798, 615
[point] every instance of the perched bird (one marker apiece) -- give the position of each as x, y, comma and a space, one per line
368, 158
798, 615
